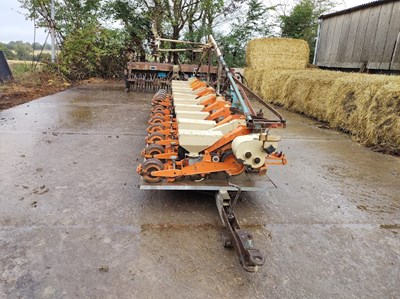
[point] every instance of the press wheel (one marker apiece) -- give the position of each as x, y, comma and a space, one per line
148, 167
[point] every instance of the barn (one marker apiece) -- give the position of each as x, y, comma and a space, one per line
362, 38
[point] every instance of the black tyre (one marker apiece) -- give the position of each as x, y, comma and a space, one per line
154, 149
154, 137
157, 113
155, 128
156, 119
149, 166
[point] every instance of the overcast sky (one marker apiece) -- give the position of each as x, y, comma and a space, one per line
14, 26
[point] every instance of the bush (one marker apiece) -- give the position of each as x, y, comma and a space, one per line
92, 52
18, 69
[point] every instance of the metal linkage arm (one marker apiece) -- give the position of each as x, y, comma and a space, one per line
221, 60
260, 100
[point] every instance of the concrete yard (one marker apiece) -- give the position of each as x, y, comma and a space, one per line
74, 224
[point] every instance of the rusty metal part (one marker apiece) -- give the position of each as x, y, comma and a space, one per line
249, 256
152, 76
261, 101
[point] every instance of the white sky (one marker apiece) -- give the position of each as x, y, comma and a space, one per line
351, 3
14, 26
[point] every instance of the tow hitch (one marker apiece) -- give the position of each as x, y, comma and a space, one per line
249, 256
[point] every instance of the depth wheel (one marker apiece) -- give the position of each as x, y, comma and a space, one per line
148, 167
154, 137
157, 113
158, 107
154, 149
155, 128
156, 119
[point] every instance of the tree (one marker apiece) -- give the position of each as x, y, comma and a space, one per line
81, 35
10, 55
71, 14
180, 13
146, 19
302, 22
254, 24
85, 45
23, 51
92, 51
136, 19
36, 46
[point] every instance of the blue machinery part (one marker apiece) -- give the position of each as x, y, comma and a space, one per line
234, 87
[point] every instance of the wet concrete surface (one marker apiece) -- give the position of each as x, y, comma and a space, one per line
74, 224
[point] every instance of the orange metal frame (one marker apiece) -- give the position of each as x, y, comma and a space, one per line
219, 109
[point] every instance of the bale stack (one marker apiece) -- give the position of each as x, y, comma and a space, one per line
366, 106
277, 53
266, 54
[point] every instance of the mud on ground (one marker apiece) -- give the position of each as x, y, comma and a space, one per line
34, 85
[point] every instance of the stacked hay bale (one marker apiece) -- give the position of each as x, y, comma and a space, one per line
267, 54
366, 106
277, 53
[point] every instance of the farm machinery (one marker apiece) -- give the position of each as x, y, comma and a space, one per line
208, 137
149, 76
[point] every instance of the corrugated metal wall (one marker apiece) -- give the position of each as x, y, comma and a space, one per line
369, 36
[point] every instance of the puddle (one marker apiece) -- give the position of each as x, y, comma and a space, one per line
81, 114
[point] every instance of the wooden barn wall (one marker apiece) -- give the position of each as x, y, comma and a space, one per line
368, 36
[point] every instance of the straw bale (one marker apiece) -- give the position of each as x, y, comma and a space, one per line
254, 78
277, 53
306, 91
366, 106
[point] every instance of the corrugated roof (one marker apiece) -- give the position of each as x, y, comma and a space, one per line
358, 7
